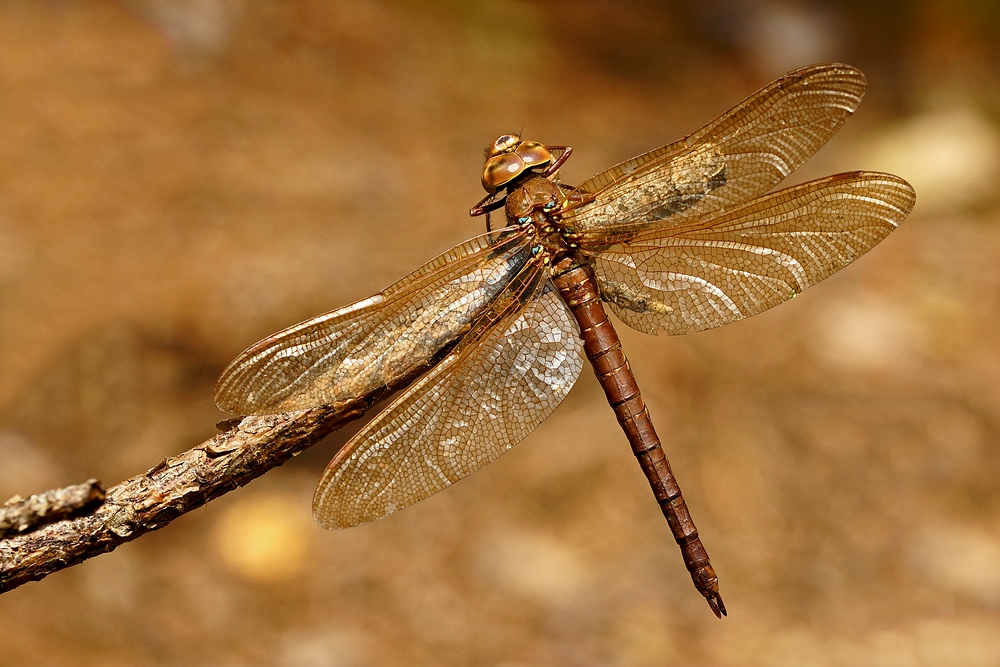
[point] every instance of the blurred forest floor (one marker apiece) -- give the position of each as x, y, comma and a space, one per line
179, 178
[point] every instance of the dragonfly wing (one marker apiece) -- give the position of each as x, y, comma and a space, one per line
353, 351
752, 258
736, 157
480, 401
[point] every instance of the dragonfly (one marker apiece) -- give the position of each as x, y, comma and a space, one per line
490, 336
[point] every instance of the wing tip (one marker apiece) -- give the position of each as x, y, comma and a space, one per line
330, 514
227, 395
827, 69
905, 195
224, 400
849, 79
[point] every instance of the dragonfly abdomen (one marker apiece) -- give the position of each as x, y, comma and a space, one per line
576, 283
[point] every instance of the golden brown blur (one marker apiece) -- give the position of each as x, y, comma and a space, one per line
179, 178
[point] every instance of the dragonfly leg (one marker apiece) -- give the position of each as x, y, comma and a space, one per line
578, 287
485, 205
554, 167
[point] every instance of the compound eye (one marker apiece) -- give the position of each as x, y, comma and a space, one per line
500, 170
533, 153
505, 143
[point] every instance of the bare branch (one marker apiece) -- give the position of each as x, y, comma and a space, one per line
19, 515
177, 485
246, 449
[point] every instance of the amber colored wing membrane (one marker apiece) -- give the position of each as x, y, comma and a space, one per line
363, 347
481, 400
738, 156
752, 258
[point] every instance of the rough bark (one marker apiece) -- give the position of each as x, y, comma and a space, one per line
21, 515
179, 484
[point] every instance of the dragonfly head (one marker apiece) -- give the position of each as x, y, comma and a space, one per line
508, 157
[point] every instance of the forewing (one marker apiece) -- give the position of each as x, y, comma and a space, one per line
738, 156
356, 350
472, 407
752, 258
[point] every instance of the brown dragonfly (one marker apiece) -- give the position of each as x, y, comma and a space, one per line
679, 239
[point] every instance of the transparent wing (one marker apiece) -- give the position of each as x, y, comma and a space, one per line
743, 262
738, 156
472, 407
353, 351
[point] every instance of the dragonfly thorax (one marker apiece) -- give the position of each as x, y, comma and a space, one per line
508, 157
537, 202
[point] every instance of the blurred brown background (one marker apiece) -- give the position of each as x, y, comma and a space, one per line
180, 178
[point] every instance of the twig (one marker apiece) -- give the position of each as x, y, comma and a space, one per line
174, 486
19, 515
246, 449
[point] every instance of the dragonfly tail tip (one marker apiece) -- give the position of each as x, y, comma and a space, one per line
717, 605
